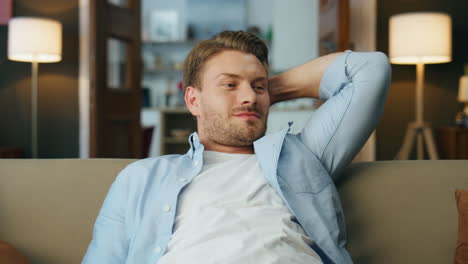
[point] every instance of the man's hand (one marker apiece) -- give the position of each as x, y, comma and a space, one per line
300, 81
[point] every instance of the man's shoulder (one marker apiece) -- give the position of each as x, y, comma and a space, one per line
150, 167
149, 163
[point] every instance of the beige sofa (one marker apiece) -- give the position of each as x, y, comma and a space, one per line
396, 211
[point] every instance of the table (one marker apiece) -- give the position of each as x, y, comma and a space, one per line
11, 153
452, 142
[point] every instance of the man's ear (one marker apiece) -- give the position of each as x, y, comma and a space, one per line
192, 100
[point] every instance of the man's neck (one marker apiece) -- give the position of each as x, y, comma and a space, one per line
211, 146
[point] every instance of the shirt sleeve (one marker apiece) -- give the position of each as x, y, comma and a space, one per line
355, 88
110, 240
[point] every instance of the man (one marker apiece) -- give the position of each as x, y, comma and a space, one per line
238, 195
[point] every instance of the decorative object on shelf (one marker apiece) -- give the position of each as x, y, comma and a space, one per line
145, 101
462, 117
164, 25
255, 30
158, 62
170, 94
180, 133
190, 32
5, 11
178, 66
420, 38
120, 3
265, 35
35, 40
208, 17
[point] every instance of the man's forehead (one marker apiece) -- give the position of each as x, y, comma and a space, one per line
235, 66
233, 63
259, 77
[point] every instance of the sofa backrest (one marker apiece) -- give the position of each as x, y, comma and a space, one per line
402, 211
396, 211
48, 206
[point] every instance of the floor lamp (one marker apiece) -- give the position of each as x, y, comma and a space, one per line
420, 38
34, 40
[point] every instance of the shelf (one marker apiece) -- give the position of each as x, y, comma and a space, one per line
162, 72
176, 140
176, 42
175, 110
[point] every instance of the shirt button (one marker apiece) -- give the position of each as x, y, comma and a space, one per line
157, 250
167, 208
195, 163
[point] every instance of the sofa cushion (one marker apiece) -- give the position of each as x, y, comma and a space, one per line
461, 253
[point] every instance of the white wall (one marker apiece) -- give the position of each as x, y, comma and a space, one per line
363, 24
260, 13
148, 6
363, 16
295, 33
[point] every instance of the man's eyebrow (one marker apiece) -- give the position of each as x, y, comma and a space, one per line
232, 75
260, 79
228, 75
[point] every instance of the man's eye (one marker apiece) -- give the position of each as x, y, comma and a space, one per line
259, 88
230, 85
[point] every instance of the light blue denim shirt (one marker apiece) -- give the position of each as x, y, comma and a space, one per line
136, 220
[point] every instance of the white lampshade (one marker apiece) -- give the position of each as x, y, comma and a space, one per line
34, 39
463, 89
422, 37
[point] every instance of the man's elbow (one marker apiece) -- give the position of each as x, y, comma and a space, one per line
381, 62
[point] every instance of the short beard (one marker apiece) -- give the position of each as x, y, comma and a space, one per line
228, 134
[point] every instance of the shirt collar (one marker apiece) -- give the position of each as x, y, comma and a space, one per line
195, 145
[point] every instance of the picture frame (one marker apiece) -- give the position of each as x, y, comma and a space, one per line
333, 26
164, 25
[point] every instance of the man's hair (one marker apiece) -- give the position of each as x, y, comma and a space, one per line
227, 40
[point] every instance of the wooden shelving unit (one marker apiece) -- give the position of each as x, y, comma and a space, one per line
175, 119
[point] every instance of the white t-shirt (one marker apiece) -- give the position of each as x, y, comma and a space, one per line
230, 214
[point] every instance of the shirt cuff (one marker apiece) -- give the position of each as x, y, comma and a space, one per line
335, 77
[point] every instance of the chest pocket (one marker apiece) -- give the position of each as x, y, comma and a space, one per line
299, 168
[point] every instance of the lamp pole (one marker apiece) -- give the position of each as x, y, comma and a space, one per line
35, 66
420, 107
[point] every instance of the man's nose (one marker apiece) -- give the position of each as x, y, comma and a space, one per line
247, 94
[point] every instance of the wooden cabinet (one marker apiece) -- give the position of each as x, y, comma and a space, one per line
452, 142
11, 153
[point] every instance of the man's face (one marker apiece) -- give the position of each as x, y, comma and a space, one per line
232, 105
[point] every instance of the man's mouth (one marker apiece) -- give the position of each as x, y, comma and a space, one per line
248, 115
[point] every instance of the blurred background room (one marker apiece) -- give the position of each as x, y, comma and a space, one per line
115, 90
